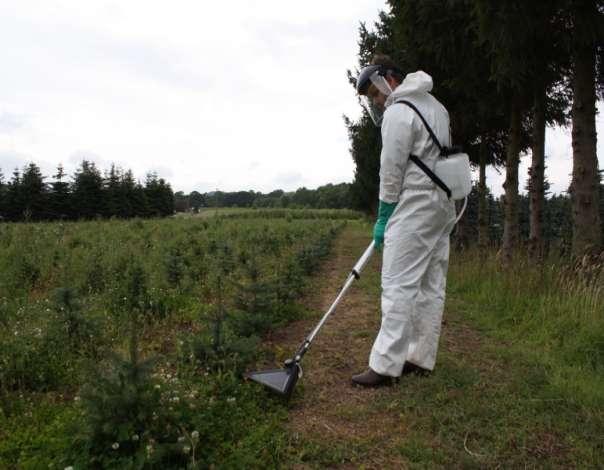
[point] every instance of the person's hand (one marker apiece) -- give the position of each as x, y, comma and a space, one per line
378, 233
385, 210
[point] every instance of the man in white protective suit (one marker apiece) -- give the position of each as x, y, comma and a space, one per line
415, 218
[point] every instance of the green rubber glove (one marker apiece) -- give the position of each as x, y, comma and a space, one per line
385, 210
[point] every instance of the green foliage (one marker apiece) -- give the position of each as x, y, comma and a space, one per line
557, 221
37, 433
365, 149
82, 333
122, 406
199, 290
135, 419
329, 196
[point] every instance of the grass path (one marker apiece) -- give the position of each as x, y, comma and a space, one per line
485, 406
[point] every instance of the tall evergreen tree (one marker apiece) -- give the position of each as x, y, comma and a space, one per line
60, 200
127, 189
112, 192
34, 193
2, 197
153, 195
167, 198
365, 147
87, 191
506, 28
139, 201
587, 29
159, 196
15, 204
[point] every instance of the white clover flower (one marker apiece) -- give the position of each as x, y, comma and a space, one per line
181, 438
76, 398
157, 386
135, 438
195, 435
186, 449
115, 446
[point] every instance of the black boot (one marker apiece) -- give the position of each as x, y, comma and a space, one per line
370, 378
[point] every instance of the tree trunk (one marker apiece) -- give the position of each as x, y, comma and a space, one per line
537, 175
462, 230
511, 228
483, 228
585, 180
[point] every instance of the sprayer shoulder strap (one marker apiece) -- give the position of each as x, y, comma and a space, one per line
416, 159
428, 128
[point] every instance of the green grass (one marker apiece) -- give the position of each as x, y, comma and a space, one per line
553, 313
519, 376
526, 388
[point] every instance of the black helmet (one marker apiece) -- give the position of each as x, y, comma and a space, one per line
364, 78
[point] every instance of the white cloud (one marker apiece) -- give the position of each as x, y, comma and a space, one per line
244, 95
199, 90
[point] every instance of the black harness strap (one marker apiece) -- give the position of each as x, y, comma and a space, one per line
431, 174
429, 129
443, 151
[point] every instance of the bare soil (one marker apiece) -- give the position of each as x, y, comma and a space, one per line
326, 406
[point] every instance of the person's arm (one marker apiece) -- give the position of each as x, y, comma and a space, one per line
397, 142
397, 135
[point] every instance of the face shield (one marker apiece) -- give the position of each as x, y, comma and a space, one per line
374, 89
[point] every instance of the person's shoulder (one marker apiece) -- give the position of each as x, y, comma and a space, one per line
437, 104
399, 111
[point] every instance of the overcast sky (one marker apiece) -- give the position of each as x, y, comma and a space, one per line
230, 96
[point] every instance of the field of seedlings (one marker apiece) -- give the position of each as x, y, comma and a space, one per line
123, 342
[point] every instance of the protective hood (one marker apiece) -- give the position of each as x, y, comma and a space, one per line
416, 82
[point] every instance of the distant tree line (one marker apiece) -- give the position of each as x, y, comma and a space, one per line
329, 196
89, 194
557, 219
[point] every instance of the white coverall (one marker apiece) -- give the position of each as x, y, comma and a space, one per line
416, 239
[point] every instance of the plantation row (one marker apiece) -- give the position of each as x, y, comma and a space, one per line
124, 341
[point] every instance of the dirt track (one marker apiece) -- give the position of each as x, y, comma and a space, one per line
326, 406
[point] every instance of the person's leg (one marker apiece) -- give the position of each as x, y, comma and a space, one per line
429, 306
406, 259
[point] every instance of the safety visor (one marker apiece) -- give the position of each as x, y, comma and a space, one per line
368, 100
375, 111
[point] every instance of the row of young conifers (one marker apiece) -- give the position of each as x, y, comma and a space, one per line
123, 342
